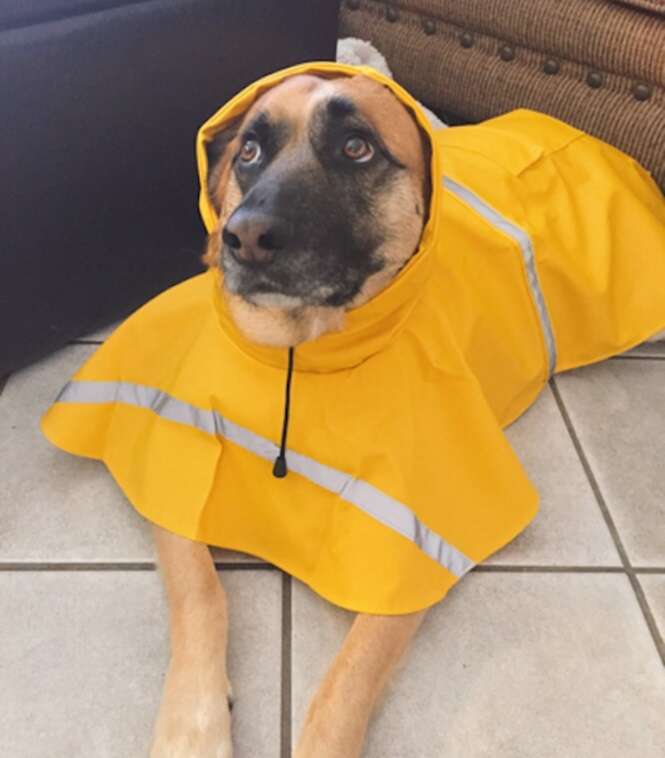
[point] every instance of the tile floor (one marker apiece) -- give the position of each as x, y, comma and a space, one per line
553, 648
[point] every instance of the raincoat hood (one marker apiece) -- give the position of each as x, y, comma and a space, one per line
544, 250
368, 327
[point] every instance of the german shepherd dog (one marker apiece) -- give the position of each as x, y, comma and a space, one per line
275, 173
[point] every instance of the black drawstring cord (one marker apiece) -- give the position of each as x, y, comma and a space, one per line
279, 470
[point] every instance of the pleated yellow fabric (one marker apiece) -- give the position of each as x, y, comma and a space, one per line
544, 250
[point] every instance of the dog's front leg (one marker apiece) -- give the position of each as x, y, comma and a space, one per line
194, 719
339, 712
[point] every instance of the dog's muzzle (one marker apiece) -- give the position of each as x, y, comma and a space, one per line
253, 237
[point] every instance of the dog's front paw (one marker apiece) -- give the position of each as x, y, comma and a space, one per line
194, 718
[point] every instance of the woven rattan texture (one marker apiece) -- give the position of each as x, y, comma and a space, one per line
479, 58
654, 6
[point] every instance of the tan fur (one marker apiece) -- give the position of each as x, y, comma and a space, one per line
338, 715
389, 117
295, 100
193, 721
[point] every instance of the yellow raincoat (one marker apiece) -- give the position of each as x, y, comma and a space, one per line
544, 250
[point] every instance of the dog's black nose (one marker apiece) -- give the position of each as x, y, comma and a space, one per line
255, 237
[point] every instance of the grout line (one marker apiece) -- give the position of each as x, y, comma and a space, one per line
119, 566
76, 566
630, 571
591, 477
263, 566
649, 570
638, 358
287, 620
509, 569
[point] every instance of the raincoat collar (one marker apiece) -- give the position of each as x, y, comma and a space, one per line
370, 327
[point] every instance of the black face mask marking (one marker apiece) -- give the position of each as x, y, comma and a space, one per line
325, 200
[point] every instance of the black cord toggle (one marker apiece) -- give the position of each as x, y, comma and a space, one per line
279, 469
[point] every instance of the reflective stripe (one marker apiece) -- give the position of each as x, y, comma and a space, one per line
143, 397
526, 246
376, 504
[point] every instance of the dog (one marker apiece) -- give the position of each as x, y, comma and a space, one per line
350, 154
290, 276
295, 130
368, 244
321, 192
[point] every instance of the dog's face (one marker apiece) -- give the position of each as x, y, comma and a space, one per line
322, 192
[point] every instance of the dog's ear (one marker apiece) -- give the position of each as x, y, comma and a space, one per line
220, 152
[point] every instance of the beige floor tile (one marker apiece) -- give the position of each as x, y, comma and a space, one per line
569, 528
509, 666
618, 411
654, 589
83, 654
102, 334
255, 665
55, 506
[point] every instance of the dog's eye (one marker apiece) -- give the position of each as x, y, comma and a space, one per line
250, 151
358, 149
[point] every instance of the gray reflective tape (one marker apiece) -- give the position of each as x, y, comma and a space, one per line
140, 396
526, 246
376, 504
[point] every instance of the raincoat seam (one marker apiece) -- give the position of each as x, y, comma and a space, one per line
516, 174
